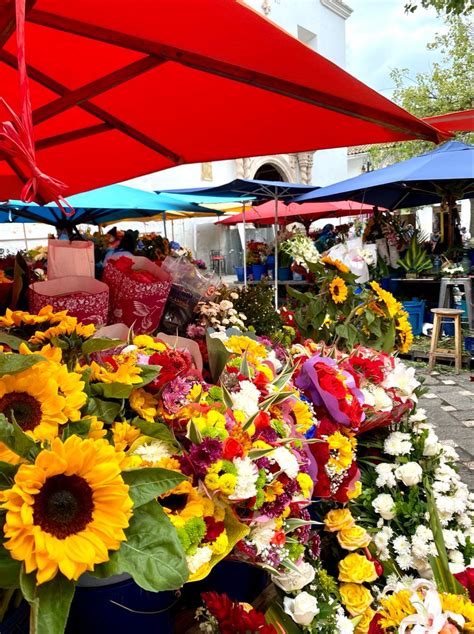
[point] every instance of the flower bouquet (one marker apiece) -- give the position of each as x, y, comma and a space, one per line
138, 292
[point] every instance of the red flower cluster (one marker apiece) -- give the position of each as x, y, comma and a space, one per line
363, 368
236, 618
125, 265
331, 382
173, 363
213, 528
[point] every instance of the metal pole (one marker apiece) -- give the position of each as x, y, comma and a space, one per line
24, 234
275, 280
164, 224
245, 247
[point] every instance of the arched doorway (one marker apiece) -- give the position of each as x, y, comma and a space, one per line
269, 172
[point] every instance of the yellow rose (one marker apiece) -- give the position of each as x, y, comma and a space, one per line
353, 538
364, 624
356, 568
355, 597
338, 520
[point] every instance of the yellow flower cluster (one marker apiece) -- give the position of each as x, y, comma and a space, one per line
354, 569
341, 453
240, 344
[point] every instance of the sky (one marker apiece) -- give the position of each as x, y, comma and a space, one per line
380, 36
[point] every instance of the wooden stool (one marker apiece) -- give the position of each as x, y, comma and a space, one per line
455, 314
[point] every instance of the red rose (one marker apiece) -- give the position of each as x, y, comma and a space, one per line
375, 627
262, 420
213, 529
232, 449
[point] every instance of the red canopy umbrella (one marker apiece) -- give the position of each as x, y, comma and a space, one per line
462, 121
305, 213
122, 88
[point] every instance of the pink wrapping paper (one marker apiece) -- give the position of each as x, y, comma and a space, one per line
137, 304
83, 297
70, 259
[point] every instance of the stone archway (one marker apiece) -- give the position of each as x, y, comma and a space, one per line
284, 164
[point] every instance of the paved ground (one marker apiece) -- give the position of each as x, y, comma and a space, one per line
450, 407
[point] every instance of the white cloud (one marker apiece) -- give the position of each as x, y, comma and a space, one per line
381, 36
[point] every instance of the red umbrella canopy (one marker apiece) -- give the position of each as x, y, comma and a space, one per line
122, 88
306, 212
461, 121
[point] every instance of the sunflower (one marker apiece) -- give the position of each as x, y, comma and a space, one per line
16, 318
144, 404
395, 608
340, 266
183, 503
34, 400
124, 435
120, 369
66, 326
68, 509
338, 290
48, 352
458, 604
393, 306
404, 330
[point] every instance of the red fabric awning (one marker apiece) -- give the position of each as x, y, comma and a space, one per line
462, 121
306, 212
122, 88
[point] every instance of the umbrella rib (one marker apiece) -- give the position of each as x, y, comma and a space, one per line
94, 88
67, 137
236, 73
94, 110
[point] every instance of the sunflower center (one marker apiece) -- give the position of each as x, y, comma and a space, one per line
21, 407
176, 501
64, 505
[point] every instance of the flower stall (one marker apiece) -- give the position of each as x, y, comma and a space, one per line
154, 482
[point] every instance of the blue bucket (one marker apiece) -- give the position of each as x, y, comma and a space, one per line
284, 274
239, 271
120, 608
258, 271
240, 581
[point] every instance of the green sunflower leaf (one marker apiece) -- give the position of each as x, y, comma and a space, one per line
104, 410
7, 473
11, 340
79, 428
9, 569
15, 439
155, 430
49, 602
148, 374
101, 343
14, 363
147, 484
112, 390
152, 554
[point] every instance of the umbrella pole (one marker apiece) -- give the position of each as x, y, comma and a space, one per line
245, 246
164, 225
275, 274
24, 234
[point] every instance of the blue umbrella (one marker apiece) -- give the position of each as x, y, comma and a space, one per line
444, 174
245, 189
100, 206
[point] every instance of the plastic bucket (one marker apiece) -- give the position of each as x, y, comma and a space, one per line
120, 608
258, 271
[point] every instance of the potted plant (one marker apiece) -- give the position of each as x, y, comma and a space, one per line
256, 258
416, 260
284, 262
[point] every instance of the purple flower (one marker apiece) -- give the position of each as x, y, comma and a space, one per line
205, 454
268, 434
343, 384
314, 546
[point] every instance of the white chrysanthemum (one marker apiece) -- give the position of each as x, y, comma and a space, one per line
262, 534
401, 545
450, 538
398, 444
449, 453
419, 416
202, 556
432, 446
405, 561
246, 399
381, 539
385, 475
286, 460
247, 474
153, 451
455, 557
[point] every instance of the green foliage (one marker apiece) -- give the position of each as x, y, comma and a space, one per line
15, 439
446, 88
14, 363
145, 485
49, 603
449, 7
256, 302
152, 554
416, 259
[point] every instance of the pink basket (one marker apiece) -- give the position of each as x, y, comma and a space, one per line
137, 304
83, 297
